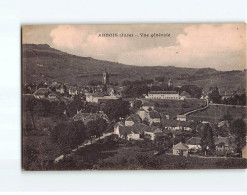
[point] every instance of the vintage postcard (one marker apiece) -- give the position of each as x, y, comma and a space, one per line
134, 97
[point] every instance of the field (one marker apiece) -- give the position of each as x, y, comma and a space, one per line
175, 107
215, 113
137, 155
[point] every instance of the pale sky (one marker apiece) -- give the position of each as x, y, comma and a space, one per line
219, 46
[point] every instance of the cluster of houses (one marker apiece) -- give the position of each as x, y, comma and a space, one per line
146, 122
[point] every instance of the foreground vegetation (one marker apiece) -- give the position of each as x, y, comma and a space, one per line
111, 154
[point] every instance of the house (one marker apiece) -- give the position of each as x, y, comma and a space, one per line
181, 117
222, 144
132, 119
60, 89
41, 93
153, 117
185, 95
152, 131
73, 91
131, 132
142, 113
176, 125
163, 114
116, 127
163, 95
148, 106
223, 123
194, 144
52, 97
86, 117
99, 97
131, 101
94, 97
180, 149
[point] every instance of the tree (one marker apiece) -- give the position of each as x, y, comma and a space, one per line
94, 83
207, 138
92, 129
102, 125
215, 96
193, 90
160, 79
116, 109
238, 129
69, 135
75, 106
29, 105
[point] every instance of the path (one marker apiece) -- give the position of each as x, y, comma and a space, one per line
198, 109
84, 144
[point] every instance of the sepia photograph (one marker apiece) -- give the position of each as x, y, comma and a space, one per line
133, 96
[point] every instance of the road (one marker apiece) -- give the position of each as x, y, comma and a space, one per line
198, 109
84, 144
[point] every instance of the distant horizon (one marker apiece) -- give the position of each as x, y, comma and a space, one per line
134, 64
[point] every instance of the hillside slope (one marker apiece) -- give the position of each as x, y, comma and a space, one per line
43, 63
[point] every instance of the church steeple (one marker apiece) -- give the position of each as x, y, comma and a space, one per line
105, 77
170, 82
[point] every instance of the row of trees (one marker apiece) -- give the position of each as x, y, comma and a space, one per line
236, 99
237, 130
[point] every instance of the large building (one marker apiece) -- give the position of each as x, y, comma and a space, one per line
163, 95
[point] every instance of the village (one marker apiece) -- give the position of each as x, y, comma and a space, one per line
170, 118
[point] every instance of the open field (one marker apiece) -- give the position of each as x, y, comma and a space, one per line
215, 113
175, 107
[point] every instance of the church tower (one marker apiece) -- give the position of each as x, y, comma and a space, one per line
105, 78
170, 82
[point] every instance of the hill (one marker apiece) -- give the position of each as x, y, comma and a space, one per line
43, 63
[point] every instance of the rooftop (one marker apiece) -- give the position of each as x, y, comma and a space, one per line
180, 146
154, 114
41, 91
175, 123
163, 92
194, 141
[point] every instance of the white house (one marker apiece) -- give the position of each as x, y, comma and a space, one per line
52, 97
142, 113
194, 143
98, 97
180, 149
41, 93
73, 91
132, 119
133, 136
181, 117
116, 127
176, 125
